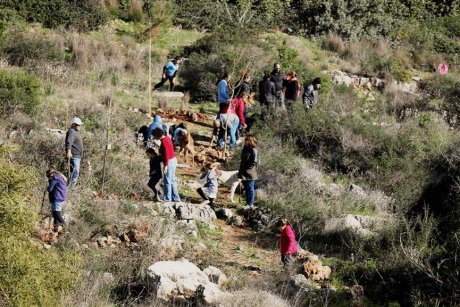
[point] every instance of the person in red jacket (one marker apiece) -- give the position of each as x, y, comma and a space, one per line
170, 163
288, 243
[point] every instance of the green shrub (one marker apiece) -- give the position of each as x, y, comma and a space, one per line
22, 48
30, 275
18, 91
83, 15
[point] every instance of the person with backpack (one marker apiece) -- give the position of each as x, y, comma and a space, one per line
288, 243
169, 73
248, 169
156, 123
278, 77
155, 172
310, 94
57, 190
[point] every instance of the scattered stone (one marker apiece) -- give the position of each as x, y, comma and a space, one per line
224, 213
190, 226
46, 246
357, 190
172, 243
215, 275
299, 281
200, 212
172, 279
84, 246
200, 247
315, 270
108, 277
235, 220
341, 224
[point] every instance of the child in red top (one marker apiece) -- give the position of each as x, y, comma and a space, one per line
288, 243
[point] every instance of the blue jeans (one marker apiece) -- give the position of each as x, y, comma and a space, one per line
250, 192
170, 185
56, 205
233, 130
74, 171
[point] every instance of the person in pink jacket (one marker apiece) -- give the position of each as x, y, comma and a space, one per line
288, 243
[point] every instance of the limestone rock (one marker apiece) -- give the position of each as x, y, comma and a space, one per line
224, 213
172, 243
201, 212
299, 281
171, 279
215, 275
168, 95
316, 271
341, 224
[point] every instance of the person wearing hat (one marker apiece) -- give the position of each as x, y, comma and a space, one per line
74, 150
310, 95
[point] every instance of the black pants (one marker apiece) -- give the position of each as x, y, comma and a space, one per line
163, 80
153, 181
201, 192
58, 219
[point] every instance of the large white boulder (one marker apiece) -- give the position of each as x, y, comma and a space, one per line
340, 224
171, 279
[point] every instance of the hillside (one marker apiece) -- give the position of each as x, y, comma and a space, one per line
368, 178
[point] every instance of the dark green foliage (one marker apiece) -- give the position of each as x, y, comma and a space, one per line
82, 14
18, 91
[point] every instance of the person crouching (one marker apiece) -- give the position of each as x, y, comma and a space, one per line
210, 184
155, 172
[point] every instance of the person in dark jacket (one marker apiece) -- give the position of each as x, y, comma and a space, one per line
57, 190
291, 87
278, 77
243, 85
288, 243
155, 172
267, 92
310, 94
74, 150
248, 171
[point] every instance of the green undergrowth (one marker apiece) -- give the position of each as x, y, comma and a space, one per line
30, 275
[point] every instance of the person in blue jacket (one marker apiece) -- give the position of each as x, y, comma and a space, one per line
156, 123
57, 189
169, 73
223, 92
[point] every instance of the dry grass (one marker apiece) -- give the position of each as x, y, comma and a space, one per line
255, 298
333, 42
358, 51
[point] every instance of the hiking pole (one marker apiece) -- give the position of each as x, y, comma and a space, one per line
43, 201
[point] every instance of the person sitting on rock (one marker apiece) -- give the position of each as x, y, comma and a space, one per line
57, 190
288, 243
155, 172
208, 178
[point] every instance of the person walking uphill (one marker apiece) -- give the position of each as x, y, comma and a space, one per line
57, 189
278, 77
74, 150
169, 73
310, 94
248, 171
223, 92
288, 243
170, 163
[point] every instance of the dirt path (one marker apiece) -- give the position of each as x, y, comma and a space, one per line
240, 248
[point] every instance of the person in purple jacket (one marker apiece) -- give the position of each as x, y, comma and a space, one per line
57, 190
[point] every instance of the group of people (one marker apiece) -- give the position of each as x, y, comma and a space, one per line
231, 121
